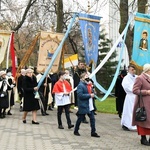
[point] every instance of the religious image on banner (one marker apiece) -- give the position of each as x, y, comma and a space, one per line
141, 46
144, 42
89, 25
51, 50
4, 41
48, 44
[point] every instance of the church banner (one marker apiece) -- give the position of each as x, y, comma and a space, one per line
141, 43
48, 44
4, 41
89, 25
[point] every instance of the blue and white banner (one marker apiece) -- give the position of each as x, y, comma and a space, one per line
89, 25
141, 43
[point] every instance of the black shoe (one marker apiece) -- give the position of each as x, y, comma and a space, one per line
145, 142
21, 109
85, 121
43, 114
70, 126
9, 113
60, 127
49, 108
2, 116
119, 115
33, 122
24, 121
95, 113
95, 135
125, 128
46, 114
77, 133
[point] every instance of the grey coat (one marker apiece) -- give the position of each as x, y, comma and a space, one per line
142, 82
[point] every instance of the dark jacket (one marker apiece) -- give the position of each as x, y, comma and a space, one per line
30, 103
11, 98
45, 90
119, 91
4, 100
83, 98
76, 76
20, 86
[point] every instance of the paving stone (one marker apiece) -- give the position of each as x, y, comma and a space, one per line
14, 135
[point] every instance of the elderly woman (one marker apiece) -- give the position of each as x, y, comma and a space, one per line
30, 103
142, 84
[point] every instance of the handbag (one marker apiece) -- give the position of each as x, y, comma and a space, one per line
140, 114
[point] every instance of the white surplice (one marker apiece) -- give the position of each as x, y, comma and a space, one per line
127, 84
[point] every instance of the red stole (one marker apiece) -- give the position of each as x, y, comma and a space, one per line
58, 87
89, 87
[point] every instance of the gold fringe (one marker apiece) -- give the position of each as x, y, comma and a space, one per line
55, 39
88, 19
5, 33
142, 19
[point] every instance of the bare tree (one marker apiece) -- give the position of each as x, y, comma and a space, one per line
29, 17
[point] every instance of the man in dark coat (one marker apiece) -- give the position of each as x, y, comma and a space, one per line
44, 91
76, 77
120, 93
85, 97
20, 88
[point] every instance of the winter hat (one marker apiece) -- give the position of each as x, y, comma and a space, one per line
146, 67
29, 70
2, 73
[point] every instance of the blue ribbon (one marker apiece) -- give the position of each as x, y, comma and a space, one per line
118, 67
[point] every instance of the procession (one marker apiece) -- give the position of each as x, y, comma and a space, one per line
60, 63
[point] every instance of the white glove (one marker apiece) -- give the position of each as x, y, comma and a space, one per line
2, 95
11, 85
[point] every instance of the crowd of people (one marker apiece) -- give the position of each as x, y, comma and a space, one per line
58, 90
55, 90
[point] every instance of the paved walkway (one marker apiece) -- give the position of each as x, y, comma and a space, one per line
14, 135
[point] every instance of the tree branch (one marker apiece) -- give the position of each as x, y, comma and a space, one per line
30, 4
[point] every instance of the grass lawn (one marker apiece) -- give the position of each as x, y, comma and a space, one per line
106, 106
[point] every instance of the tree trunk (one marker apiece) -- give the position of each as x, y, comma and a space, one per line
123, 14
59, 16
141, 5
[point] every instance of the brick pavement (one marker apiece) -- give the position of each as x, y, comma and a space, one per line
14, 135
